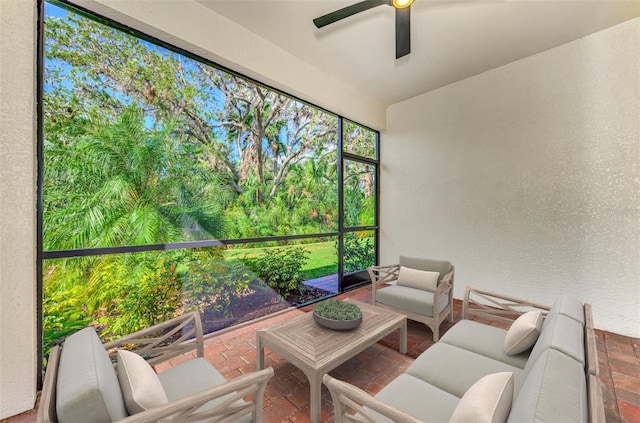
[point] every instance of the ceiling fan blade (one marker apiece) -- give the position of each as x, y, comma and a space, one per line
345, 12
403, 32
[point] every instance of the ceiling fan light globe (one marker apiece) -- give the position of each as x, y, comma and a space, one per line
401, 4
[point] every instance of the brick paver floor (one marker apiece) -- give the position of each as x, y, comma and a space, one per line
287, 396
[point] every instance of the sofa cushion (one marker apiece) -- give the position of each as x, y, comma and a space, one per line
555, 390
487, 401
441, 266
87, 384
455, 370
561, 333
191, 377
523, 333
418, 279
415, 397
568, 306
140, 385
414, 300
483, 339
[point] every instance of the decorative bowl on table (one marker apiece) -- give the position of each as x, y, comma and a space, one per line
337, 315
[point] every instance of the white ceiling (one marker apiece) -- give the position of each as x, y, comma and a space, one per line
450, 40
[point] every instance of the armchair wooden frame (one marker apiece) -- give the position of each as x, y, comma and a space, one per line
382, 275
162, 342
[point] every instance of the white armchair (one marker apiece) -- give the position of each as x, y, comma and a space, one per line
420, 288
83, 384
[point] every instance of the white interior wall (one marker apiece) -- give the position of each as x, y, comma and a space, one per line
17, 206
526, 177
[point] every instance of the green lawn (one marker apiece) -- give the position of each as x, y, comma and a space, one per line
322, 260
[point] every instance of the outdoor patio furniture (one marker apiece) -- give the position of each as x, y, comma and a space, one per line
475, 370
420, 288
83, 384
316, 350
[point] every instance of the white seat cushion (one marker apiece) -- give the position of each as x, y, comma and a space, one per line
483, 339
413, 396
455, 370
191, 377
409, 299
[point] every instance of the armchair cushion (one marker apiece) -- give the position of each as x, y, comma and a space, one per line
487, 401
87, 384
523, 333
418, 279
191, 377
413, 300
441, 266
140, 385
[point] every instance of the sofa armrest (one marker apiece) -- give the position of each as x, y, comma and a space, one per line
348, 397
595, 399
495, 306
165, 340
231, 409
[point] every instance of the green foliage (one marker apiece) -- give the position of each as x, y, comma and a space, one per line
120, 183
63, 313
126, 297
359, 253
337, 310
144, 146
280, 268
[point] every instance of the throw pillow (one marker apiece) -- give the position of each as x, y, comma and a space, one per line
523, 333
140, 385
419, 279
488, 400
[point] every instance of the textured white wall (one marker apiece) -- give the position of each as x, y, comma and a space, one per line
17, 206
526, 177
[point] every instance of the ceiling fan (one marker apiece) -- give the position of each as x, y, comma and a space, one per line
403, 20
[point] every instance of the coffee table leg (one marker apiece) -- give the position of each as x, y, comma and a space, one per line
260, 353
403, 337
315, 396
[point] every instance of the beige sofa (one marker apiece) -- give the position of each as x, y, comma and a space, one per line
554, 381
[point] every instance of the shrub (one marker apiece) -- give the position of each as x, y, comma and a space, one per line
130, 293
280, 268
358, 253
63, 313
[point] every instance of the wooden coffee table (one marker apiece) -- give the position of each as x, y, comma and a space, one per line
316, 350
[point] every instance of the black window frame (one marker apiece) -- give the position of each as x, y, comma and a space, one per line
42, 255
